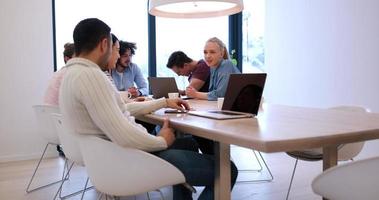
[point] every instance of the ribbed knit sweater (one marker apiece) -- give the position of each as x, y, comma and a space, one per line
89, 105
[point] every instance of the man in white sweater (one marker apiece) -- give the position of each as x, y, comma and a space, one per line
88, 104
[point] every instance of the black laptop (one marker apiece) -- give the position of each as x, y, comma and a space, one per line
242, 98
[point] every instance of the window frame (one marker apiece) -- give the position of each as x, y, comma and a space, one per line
235, 39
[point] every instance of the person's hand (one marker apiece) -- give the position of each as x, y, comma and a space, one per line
167, 133
182, 92
125, 96
139, 99
177, 104
134, 91
191, 92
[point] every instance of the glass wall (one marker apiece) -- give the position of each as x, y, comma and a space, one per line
253, 36
187, 35
127, 19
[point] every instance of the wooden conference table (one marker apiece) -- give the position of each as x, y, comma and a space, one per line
277, 128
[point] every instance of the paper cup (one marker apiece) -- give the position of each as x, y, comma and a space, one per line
220, 102
173, 95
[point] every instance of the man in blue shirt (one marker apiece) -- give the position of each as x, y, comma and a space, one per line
127, 73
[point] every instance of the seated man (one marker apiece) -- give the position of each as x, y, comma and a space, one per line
52, 90
128, 73
197, 71
88, 105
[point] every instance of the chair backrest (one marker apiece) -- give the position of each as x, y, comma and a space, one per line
350, 181
69, 140
45, 123
349, 151
121, 171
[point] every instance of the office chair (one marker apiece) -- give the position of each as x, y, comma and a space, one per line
69, 140
119, 171
49, 133
345, 151
260, 168
350, 181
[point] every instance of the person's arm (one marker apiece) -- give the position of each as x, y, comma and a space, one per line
97, 96
193, 93
145, 107
140, 82
220, 87
196, 83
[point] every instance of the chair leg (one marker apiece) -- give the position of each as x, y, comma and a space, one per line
161, 194
100, 196
84, 190
293, 174
35, 171
148, 195
189, 187
268, 169
65, 168
77, 192
258, 170
60, 187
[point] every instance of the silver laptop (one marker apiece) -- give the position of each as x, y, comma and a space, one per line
161, 86
242, 98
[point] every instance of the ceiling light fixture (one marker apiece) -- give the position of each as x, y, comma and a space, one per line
195, 8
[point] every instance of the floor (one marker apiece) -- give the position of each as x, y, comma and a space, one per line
14, 177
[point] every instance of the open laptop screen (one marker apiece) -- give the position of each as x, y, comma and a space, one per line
161, 86
244, 92
242, 98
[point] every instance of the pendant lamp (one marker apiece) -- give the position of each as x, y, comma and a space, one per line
195, 8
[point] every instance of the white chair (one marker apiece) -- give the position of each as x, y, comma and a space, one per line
119, 171
271, 177
351, 181
49, 133
69, 141
345, 151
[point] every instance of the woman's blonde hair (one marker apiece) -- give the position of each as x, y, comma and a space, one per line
221, 45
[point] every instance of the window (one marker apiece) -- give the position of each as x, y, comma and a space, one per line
187, 35
253, 36
127, 19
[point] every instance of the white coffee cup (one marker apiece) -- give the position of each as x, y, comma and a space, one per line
220, 102
173, 95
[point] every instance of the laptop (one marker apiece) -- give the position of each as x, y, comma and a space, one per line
161, 86
242, 98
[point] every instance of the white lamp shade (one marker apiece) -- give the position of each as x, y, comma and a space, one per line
195, 8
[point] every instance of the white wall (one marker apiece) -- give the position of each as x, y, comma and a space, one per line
26, 63
322, 53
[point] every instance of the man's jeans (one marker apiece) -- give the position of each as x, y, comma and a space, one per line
198, 169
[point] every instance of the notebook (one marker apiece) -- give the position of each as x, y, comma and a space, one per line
242, 98
161, 86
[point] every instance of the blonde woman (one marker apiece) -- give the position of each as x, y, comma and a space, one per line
216, 57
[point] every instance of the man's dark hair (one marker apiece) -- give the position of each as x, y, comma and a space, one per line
178, 59
69, 50
114, 39
124, 45
88, 33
